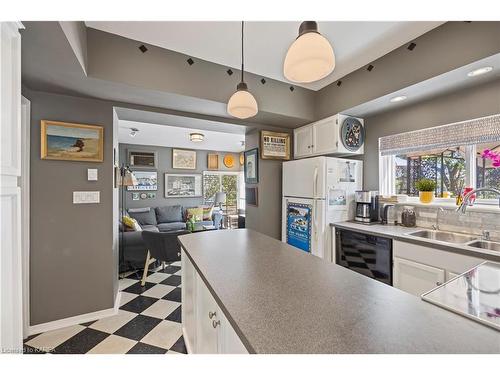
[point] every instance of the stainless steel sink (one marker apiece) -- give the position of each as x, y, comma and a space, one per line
487, 245
438, 235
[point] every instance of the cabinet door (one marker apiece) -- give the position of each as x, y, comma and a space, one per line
416, 278
325, 136
230, 342
188, 301
206, 333
302, 141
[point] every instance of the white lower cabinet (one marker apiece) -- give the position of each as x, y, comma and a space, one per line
418, 269
416, 278
206, 329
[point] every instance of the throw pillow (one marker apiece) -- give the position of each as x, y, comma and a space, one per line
145, 216
195, 212
131, 223
169, 214
207, 213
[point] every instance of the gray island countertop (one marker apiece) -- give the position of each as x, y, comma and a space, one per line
282, 300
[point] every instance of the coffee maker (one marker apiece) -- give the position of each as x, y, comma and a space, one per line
366, 206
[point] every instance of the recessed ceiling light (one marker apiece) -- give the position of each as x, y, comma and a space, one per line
196, 137
478, 72
398, 99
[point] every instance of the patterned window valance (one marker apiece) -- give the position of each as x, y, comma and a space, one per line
480, 130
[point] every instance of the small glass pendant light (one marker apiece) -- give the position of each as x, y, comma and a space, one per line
310, 57
242, 104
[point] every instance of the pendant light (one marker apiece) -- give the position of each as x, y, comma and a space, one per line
242, 104
310, 57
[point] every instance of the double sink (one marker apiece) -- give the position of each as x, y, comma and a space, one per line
456, 238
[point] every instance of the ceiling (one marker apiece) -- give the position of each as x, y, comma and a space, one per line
355, 43
453, 80
177, 136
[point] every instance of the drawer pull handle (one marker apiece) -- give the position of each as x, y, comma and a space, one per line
215, 323
211, 314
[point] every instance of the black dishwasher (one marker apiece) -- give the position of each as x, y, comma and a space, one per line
365, 254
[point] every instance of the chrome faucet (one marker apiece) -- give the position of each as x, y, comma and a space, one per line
439, 209
463, 206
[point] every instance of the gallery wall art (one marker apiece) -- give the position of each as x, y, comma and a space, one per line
146, 180
74, 142
183, 185
183, 159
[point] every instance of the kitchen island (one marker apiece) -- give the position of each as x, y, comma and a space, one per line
274, 298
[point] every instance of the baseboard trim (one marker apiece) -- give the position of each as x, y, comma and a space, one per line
78, 319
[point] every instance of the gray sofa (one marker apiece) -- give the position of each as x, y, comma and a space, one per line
156, 219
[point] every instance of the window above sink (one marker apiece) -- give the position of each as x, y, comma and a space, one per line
431, 153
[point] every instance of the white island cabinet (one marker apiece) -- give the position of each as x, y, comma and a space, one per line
418, 269
205, 328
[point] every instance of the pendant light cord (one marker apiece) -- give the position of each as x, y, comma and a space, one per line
242, 56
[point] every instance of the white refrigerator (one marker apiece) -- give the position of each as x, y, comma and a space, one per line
316, 192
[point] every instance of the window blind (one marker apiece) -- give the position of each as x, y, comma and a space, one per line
480, 130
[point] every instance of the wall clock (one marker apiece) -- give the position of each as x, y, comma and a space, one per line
352, 134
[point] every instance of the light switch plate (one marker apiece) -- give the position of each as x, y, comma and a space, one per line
92, 174
82, 197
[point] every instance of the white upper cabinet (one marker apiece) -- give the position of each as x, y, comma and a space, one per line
325, 140
336, 135
303, 141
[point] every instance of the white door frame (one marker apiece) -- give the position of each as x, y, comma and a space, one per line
11, 303
25, 209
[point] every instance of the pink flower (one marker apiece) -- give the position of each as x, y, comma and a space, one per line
493, 156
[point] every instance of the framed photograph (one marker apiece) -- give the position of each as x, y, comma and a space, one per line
274, 145
75, 142
213, 162
142, 159
146, 180
252, 166
251, 196
182, 185
183, 159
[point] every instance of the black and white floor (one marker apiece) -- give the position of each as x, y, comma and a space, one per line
148, 322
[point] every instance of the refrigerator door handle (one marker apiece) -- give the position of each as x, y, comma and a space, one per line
315, 220
315, 183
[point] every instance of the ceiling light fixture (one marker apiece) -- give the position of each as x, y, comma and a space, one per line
242, 104
478, 72
398, 99
196, 137
133, 132
310, 57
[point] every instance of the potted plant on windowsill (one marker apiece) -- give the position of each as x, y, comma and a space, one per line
426, 189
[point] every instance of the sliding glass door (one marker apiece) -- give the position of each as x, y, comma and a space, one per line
227, 182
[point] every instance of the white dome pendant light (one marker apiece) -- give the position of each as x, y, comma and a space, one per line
310, 57
242, 104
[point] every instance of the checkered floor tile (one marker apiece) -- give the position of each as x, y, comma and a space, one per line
148, 322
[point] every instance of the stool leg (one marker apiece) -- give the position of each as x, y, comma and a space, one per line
145, 273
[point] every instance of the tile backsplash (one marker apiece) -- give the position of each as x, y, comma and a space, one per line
472, 222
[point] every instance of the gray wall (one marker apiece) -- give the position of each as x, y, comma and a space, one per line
73, 269
466, 104
445, 48
165, 166
266, 218
167, 71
